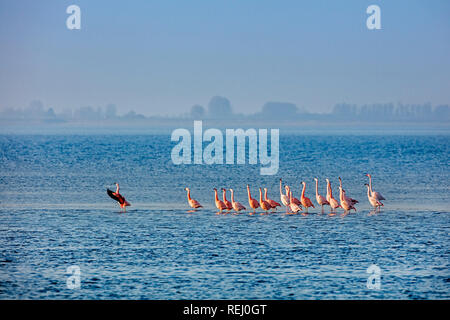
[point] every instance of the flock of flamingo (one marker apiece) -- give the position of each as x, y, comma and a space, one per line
292, 204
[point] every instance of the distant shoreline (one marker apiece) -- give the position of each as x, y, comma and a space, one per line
149, 126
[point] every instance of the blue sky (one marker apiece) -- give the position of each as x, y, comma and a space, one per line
162, 57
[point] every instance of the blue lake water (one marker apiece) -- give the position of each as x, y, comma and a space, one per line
55, 213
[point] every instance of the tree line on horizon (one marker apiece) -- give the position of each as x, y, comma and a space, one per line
220, 108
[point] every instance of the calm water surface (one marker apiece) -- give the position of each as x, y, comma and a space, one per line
54, 213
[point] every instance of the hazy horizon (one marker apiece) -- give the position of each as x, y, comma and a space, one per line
161, 58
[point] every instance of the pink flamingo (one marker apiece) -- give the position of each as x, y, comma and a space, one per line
334, 204
373, 201
252, 202
193, 203
306, 202
264, 204
272, 203
237, 206
295, 200
118, 197
292, 205
352, 201
321, 201
219, 204
225, 201
284, 198
345, 204
291, 198
374, 194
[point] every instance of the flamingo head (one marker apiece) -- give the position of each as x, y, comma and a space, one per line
214, 189
368, 174
265, 189
327, 180
303, 182
315, 179
231, 190
187, 189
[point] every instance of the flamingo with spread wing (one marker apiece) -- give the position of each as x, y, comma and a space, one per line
118, 197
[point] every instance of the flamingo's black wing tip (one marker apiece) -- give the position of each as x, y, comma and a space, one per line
111, 194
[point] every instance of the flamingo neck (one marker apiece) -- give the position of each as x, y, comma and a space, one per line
370, 184
224, 193
260, 195
280, 188
232, 195
368, 192
117, 188
265, 194
215, 195
303, 191
249, 195
328, 189
317, 188
189, 194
